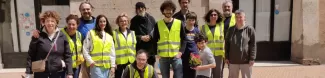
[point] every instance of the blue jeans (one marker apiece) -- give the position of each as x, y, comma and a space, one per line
176, 65
76, 72
99, 72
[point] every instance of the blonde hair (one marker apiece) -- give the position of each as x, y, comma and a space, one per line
120, 16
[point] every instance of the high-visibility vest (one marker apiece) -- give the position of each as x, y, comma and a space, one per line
148, 72
170, 41
124, 47
100, 53
76, 59
216, 40
232, 20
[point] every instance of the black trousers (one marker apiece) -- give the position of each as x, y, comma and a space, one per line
188, 72
151, 60
48, 75
119, 70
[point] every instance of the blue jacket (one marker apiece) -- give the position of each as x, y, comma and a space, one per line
84, 27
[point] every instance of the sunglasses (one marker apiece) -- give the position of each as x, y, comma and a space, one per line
213, 15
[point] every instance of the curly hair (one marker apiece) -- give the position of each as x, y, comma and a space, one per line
117, 20
200, 37
167, 4
73, 17
207, 16
108, 28
49, 14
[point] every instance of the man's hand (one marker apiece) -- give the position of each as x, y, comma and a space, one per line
179, 55
145, 38
35, 33
227, 61
69, 76
251, 63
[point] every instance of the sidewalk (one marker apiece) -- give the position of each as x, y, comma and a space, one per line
260, 70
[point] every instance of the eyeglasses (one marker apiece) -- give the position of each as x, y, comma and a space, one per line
213, 15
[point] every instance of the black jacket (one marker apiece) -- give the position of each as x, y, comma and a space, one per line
39, 47
143, 26
240, 45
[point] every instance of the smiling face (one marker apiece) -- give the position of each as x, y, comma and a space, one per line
102, 23
141, 59
227, 8
50, 24
168, 12
72, 25
213, 16
123, 22
85, 10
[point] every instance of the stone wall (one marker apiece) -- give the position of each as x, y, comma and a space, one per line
112, 8
307, 32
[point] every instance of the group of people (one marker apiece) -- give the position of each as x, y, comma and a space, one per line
90, 46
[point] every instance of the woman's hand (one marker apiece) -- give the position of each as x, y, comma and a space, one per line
112, 70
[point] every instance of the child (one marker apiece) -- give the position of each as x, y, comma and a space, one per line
191, 30
206, 56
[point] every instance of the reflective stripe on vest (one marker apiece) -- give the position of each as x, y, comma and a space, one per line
148, 72
216, 40
73, 48
124, 47
170, 41
100, 53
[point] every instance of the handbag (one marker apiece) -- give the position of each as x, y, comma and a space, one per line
39, 65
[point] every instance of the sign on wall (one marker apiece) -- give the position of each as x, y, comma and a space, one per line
26, 22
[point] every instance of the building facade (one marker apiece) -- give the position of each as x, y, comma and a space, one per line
285, 29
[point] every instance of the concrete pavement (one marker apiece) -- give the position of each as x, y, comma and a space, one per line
278, 69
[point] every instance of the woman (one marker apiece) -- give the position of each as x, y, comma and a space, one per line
98, 49
125, 43
213, 29
74, 38
53, 41
191, 29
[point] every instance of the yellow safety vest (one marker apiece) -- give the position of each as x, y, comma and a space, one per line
100, 53
170, 41
124, 47
76, 59
148, 72
232, 20
216, 40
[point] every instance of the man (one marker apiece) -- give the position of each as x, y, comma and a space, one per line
170, 36
240, 47
229, 20
87, 21
140, 68
181, 15
142, 24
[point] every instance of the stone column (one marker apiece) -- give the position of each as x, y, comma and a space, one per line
307, 44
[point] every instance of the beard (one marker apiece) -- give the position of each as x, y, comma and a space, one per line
227, 13
141, 13
168, 15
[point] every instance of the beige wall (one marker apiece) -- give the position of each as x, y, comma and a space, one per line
308, 44
112, 8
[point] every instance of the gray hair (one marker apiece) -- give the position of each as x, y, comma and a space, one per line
240, 11
227, 1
